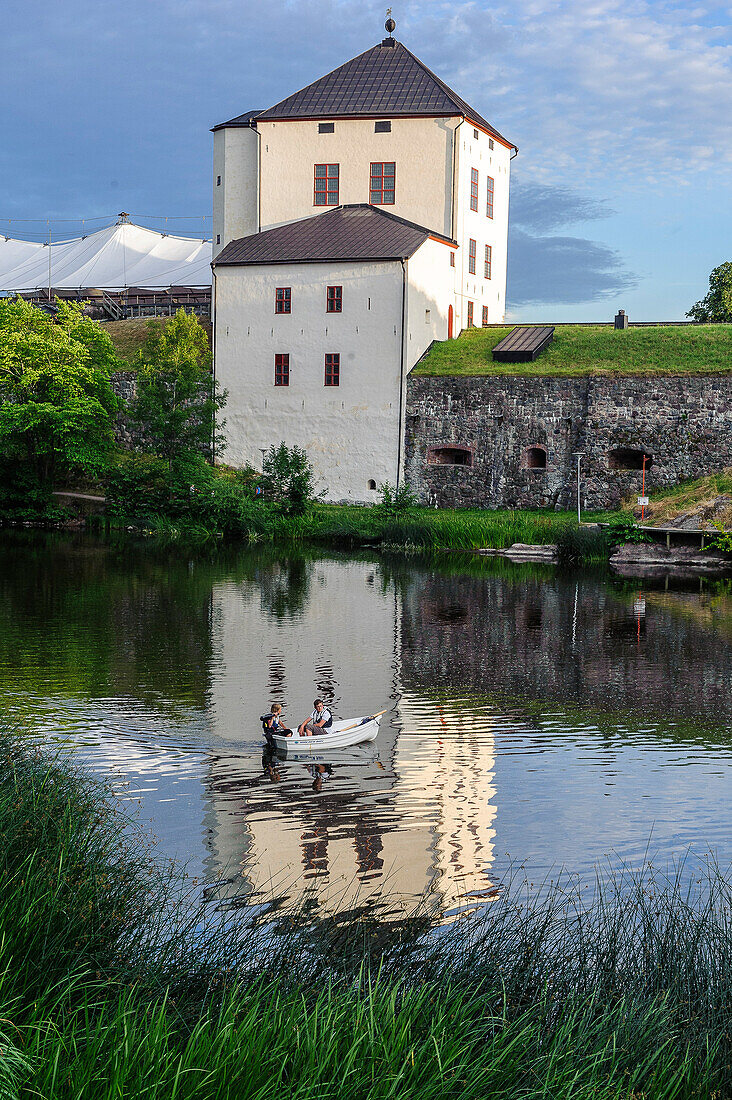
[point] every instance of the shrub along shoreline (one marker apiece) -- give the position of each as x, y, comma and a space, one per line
112, 982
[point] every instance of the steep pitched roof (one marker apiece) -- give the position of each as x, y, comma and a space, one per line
356, 232
386, 81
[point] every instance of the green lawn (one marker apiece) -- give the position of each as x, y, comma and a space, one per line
592, 349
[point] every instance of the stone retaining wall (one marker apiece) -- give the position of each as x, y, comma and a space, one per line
684, 422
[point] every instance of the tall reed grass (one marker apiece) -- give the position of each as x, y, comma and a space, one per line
114, 983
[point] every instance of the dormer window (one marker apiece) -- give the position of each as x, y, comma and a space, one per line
382, 127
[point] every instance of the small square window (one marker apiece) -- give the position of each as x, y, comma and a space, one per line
334, 299
475, 134
452, 258
218, 181
283, 299
383, 127
332, 369
326, 127
470, 314
282, 370
326, 185
471, 256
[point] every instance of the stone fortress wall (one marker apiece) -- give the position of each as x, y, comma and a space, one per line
509, 441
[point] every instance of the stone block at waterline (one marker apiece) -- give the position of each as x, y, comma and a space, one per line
500, 425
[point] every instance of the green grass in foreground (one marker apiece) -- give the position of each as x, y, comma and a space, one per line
111, 985
597, 349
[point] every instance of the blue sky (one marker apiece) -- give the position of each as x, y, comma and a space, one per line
622, 109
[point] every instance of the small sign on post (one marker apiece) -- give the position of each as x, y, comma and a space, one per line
643, 502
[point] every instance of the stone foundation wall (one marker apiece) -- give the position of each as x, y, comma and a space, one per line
684, 422
124, 385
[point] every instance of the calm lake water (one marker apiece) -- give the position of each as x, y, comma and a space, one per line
533, 719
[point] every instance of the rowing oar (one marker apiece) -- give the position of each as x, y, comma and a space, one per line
362, 721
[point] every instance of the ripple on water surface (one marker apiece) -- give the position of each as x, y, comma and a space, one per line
530, 720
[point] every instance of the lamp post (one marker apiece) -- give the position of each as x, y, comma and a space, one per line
579, 455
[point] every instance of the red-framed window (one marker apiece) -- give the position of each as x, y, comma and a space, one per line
485, 316
470, 314
332, 369
452, 258
334, 299
473, 188
471, 256
283, 299
489, 198
326, 185
382, 189
282, 369
488, 261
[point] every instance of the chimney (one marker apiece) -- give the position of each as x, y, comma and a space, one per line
621, 321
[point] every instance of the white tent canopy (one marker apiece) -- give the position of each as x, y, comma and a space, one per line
114, 258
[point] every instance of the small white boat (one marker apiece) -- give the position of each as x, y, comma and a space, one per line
345, 732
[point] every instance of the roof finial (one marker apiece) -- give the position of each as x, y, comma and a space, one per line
390, 24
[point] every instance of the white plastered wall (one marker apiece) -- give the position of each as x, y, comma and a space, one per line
235, 199
430, 291
476, 153
350, 432
421, 149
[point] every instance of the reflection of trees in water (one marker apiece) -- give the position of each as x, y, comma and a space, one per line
285, 587
98, 619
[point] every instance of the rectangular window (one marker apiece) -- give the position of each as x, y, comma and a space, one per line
282, 370
332, 370
490, 143
473, 188
471, 256
488, 261
382, 190
475, 134
326, 185
334, 299
218, 181
485, 316
382, 127
470, 314
489, 198
218, 238
326, 127
283, 299
452, 258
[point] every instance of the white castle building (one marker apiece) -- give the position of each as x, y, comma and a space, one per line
355, 222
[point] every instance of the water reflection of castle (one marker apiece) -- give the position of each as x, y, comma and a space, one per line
417, 821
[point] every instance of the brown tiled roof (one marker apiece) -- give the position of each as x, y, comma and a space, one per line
357, 232
384, 82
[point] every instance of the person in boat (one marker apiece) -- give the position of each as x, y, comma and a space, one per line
273, 723
319, 721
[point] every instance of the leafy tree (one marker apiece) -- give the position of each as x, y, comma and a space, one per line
57, 406
288, 479
177, 397
716, 307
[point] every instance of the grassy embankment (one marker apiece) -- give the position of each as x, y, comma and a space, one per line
595, 349
129, 336
694, 497
111, 987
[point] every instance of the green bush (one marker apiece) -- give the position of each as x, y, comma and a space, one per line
288, 479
